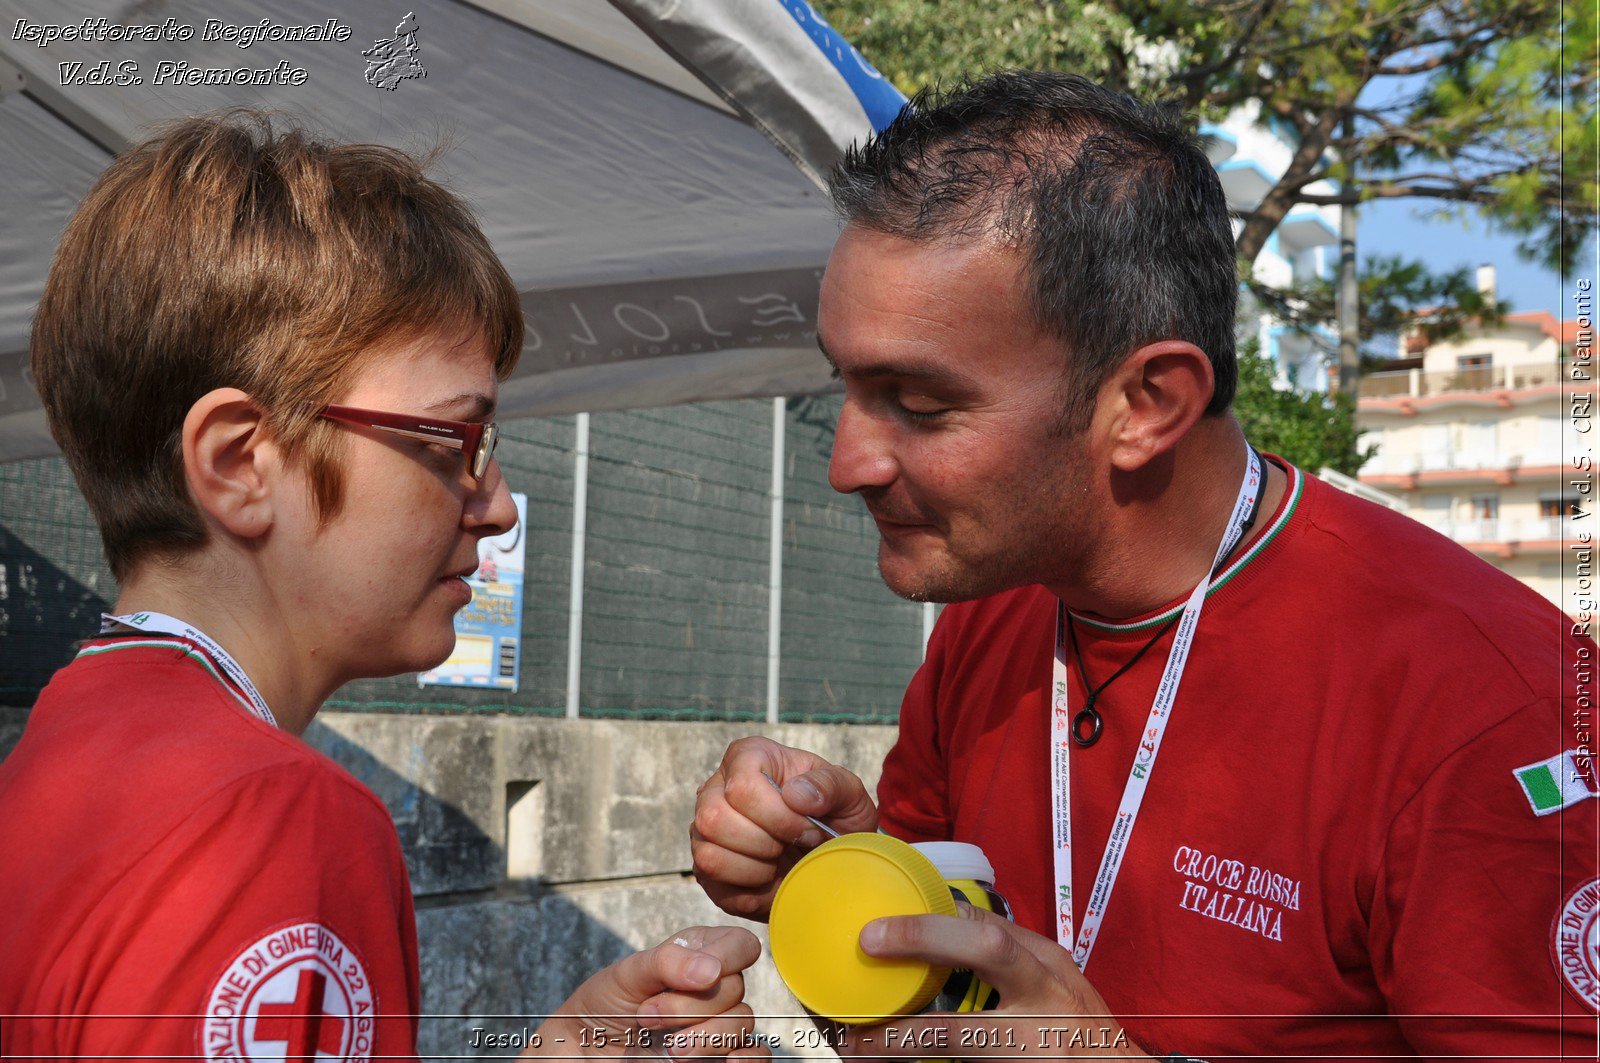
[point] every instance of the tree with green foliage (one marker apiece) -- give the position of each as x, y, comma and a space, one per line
1314, 431
1485, 105
1398, 296
1470, 104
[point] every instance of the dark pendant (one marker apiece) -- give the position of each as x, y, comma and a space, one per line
1087, 716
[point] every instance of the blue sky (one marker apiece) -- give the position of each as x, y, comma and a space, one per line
1403, 227
1400, 227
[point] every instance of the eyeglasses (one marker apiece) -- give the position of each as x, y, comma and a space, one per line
475, 440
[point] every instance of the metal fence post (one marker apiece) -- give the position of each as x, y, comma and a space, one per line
775, 561
580, 507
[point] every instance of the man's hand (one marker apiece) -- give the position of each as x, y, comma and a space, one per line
747, 834
1044, 998
683, 998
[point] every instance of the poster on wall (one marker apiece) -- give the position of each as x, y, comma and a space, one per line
488, 649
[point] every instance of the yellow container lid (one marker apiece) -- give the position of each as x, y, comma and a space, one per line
816, 920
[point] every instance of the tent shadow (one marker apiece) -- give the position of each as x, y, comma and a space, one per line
44, 614
497, 952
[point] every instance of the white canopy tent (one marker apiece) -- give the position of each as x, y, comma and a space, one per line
666, 250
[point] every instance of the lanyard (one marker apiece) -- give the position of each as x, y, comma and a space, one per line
161, 624
1143, 759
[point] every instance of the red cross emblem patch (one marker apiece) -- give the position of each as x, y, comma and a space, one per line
296, 993
1575, 942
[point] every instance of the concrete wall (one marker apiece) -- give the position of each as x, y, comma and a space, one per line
541, 850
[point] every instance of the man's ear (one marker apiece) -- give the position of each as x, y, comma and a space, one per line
1159, 392
231, 461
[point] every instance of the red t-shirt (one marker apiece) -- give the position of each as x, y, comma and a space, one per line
180, 879
1334, 856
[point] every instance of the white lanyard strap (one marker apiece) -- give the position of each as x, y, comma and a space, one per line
1144, 757
162, 624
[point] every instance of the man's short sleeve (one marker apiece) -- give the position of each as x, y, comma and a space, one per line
274, 921
1483, 929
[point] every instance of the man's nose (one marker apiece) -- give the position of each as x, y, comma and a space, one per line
863, 456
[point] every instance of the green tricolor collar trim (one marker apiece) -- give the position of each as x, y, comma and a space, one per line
1296, 489
169, 644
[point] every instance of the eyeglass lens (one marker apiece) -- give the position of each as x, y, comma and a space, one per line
486, 445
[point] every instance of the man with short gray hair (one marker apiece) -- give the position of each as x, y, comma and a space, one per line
1264, 769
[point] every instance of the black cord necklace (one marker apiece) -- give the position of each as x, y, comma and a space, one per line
1089, 716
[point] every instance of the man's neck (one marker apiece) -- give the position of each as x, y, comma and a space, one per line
232, 616
1165, 524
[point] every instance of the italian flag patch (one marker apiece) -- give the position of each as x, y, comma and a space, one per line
1554, 784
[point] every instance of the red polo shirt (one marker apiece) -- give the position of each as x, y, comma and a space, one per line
180, 879
1335, 857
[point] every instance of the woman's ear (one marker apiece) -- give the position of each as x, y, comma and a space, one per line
230, 461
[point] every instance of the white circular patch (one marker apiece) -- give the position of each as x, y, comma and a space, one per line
298, 992
1575, 943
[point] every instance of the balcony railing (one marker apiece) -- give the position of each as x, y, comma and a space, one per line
1545, 528
1501, 530
1418, 383
1452, 460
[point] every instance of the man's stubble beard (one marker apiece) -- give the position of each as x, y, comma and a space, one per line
951, 582
1056, 534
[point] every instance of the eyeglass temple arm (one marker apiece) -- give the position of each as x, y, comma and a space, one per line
426, 437
414, 428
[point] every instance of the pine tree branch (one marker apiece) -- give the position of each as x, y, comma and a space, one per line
1466, 43
1457, 191
1235, 53
1397, 47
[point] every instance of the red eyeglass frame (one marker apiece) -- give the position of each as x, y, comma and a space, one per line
475, 439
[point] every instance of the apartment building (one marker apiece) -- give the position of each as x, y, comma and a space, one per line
1250, 153
1473, 435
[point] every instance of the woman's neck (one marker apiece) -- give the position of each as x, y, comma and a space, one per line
234, 612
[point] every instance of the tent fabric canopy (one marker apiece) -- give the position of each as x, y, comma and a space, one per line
665, 250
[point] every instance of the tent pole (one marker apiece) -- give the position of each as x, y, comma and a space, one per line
580, 511
775, 562
58, 102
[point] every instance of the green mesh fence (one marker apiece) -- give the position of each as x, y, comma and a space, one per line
54, 581
675, 581
849, 645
